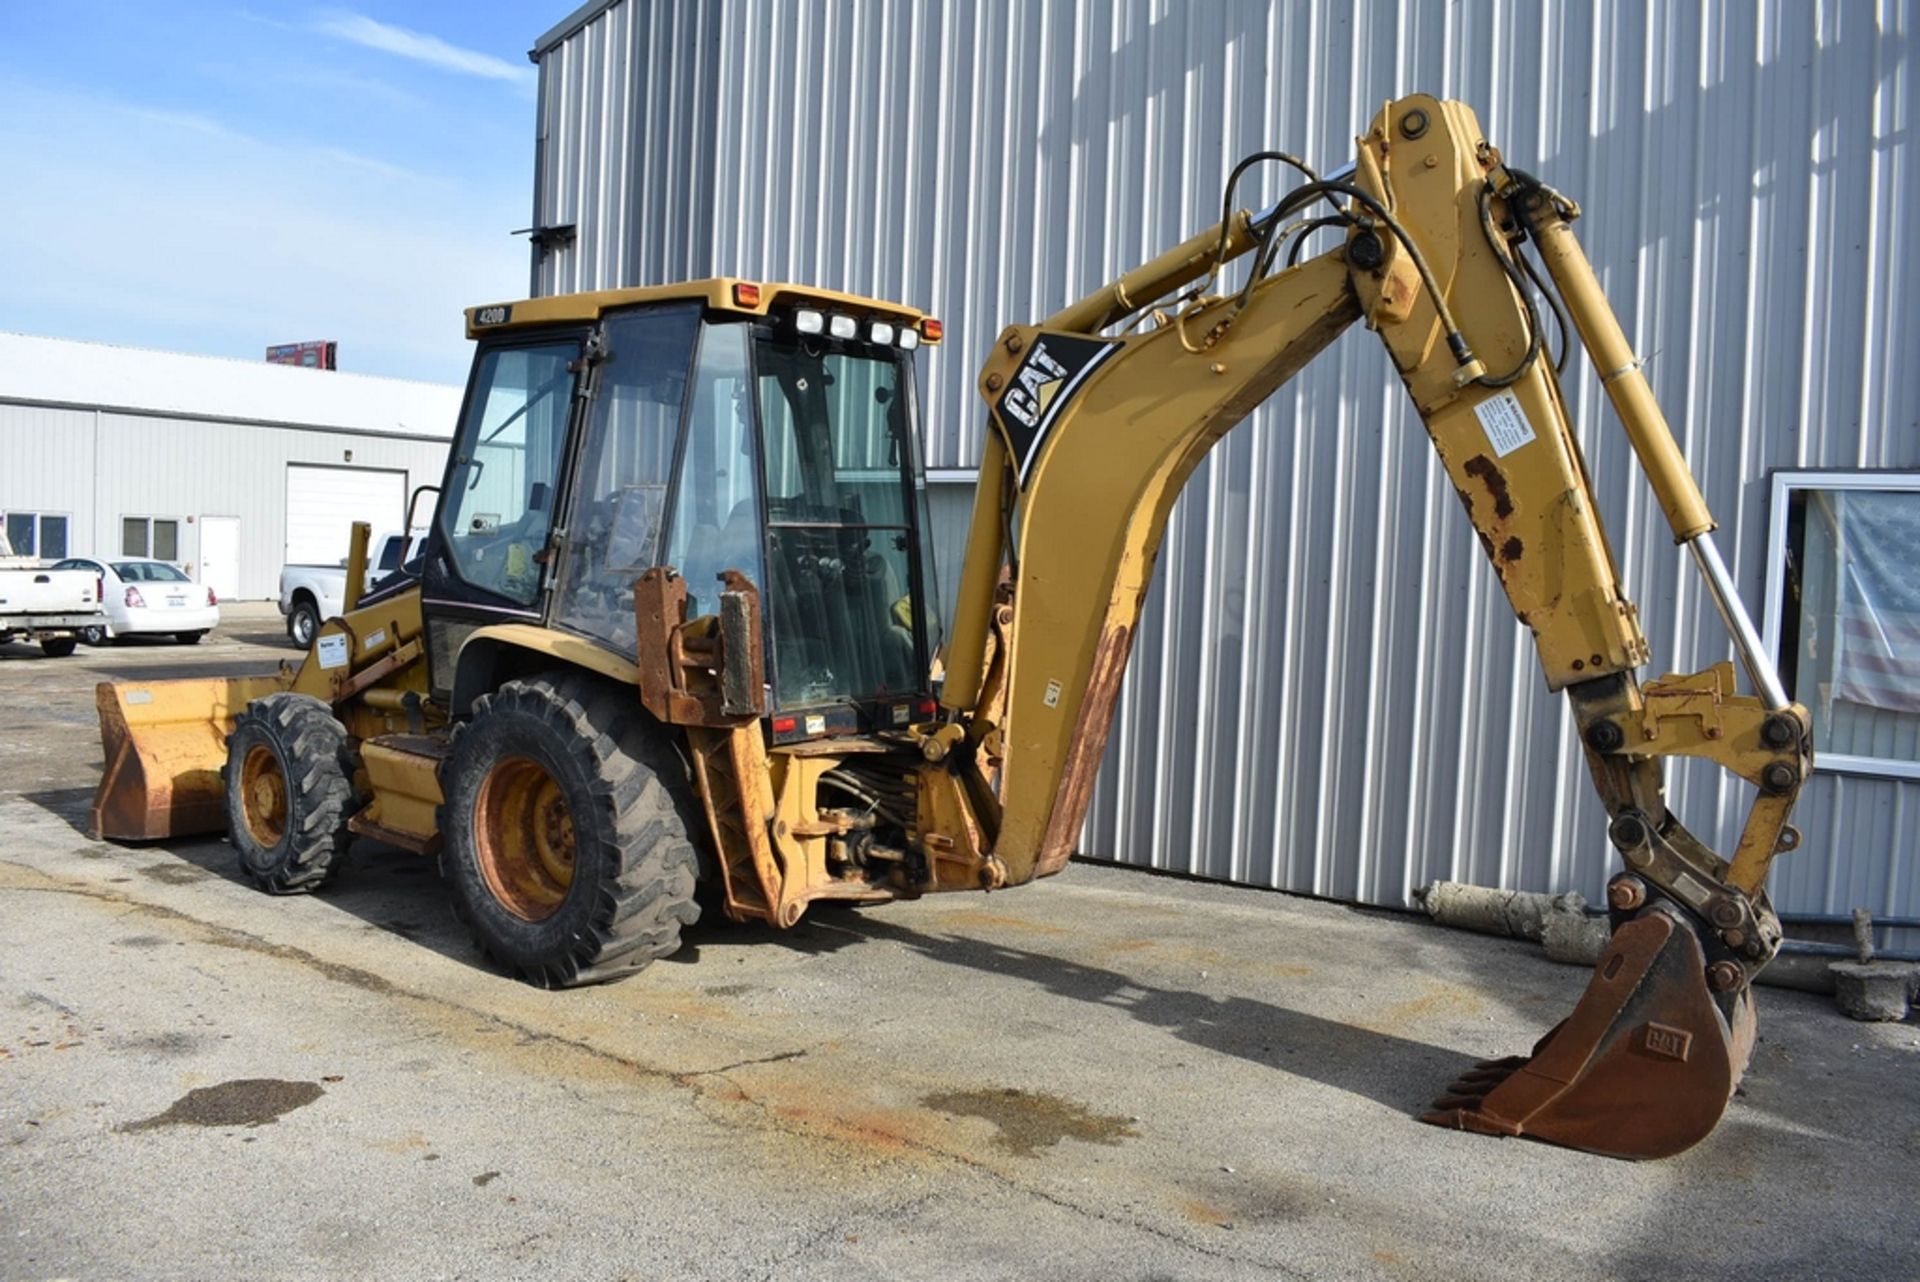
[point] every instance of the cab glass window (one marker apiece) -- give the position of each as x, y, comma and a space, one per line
716, 516
506, 464
621, 490
841, 557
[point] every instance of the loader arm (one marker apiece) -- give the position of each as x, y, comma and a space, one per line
1093, 434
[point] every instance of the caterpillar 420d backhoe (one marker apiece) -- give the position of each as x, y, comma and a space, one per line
673, 621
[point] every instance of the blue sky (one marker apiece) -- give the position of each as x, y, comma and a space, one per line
212, 178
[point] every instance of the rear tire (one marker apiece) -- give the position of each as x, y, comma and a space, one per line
289, 783
566, 832
94, 635
58, 647
302, 622
188, 638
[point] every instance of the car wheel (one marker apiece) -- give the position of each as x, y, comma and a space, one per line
289, 792
302, 622
567, 833
95, 635
57, 647
188, 638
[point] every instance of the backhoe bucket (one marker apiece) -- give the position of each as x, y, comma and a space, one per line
165, 743
1642, 1068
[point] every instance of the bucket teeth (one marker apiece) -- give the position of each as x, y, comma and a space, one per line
1642, 1068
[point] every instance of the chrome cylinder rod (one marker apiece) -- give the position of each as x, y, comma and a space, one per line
1746, 640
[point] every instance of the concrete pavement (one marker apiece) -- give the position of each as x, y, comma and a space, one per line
1110, 1075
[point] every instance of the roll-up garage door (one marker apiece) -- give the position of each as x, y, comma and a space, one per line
324, 502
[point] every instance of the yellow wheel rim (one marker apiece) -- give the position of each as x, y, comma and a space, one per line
523, 835
263, 796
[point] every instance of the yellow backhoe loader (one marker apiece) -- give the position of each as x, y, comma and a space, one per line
673, 628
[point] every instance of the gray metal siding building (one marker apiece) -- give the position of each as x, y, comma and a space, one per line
94, 438
1328, 693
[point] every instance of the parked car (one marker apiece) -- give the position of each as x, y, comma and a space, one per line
312, 594
40, 603
143, 597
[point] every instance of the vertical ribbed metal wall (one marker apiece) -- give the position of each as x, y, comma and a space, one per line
1328, 692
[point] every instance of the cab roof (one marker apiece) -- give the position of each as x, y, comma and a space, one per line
717, 293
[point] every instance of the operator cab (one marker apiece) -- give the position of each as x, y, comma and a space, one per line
708, 427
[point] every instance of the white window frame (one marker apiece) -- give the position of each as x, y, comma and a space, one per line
1781, 488
39, 537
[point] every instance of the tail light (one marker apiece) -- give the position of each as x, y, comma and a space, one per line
100, 588
211, 598
134, 600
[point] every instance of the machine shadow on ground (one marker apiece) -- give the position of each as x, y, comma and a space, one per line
400, 893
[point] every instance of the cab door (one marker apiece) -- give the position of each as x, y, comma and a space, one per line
488, 556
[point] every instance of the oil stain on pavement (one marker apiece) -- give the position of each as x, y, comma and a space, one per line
1029, 1121
246, 1101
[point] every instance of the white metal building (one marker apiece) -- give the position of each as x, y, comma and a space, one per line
228, 468
1328, 692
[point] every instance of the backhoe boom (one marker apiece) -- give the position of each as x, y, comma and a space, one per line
1093, 434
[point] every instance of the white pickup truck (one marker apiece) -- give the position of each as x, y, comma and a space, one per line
48, 606
312, 594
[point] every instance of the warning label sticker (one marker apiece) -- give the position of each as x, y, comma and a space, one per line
1505, 423
333, 650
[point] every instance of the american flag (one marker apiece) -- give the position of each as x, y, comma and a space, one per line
1877, 651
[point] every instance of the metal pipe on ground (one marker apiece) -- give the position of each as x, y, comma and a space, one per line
1571, 934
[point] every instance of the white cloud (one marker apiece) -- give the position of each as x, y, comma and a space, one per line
362, 30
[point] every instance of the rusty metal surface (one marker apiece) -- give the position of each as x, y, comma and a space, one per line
165, 743
1083, 757
684, 664
1642, 1068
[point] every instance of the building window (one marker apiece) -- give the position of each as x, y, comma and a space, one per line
1843, 613
154, 536
41, 534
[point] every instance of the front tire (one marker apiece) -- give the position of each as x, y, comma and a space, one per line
302, 622
566, 832
57, 647
94, 634
289, 783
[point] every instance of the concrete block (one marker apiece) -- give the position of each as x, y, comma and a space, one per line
1872, 990
1573, 937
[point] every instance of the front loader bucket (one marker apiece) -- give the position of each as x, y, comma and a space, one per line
1642, 1068
165, 743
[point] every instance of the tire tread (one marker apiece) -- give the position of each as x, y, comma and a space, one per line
646, 866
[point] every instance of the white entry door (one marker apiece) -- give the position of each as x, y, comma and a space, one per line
220, 555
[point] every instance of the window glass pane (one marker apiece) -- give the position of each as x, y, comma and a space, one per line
624, 466
166, 540
506, 468
20, 533
53, 536
716, 515
835, 424
157, 573
1853, 619
837, 429
843, 616
133, 536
